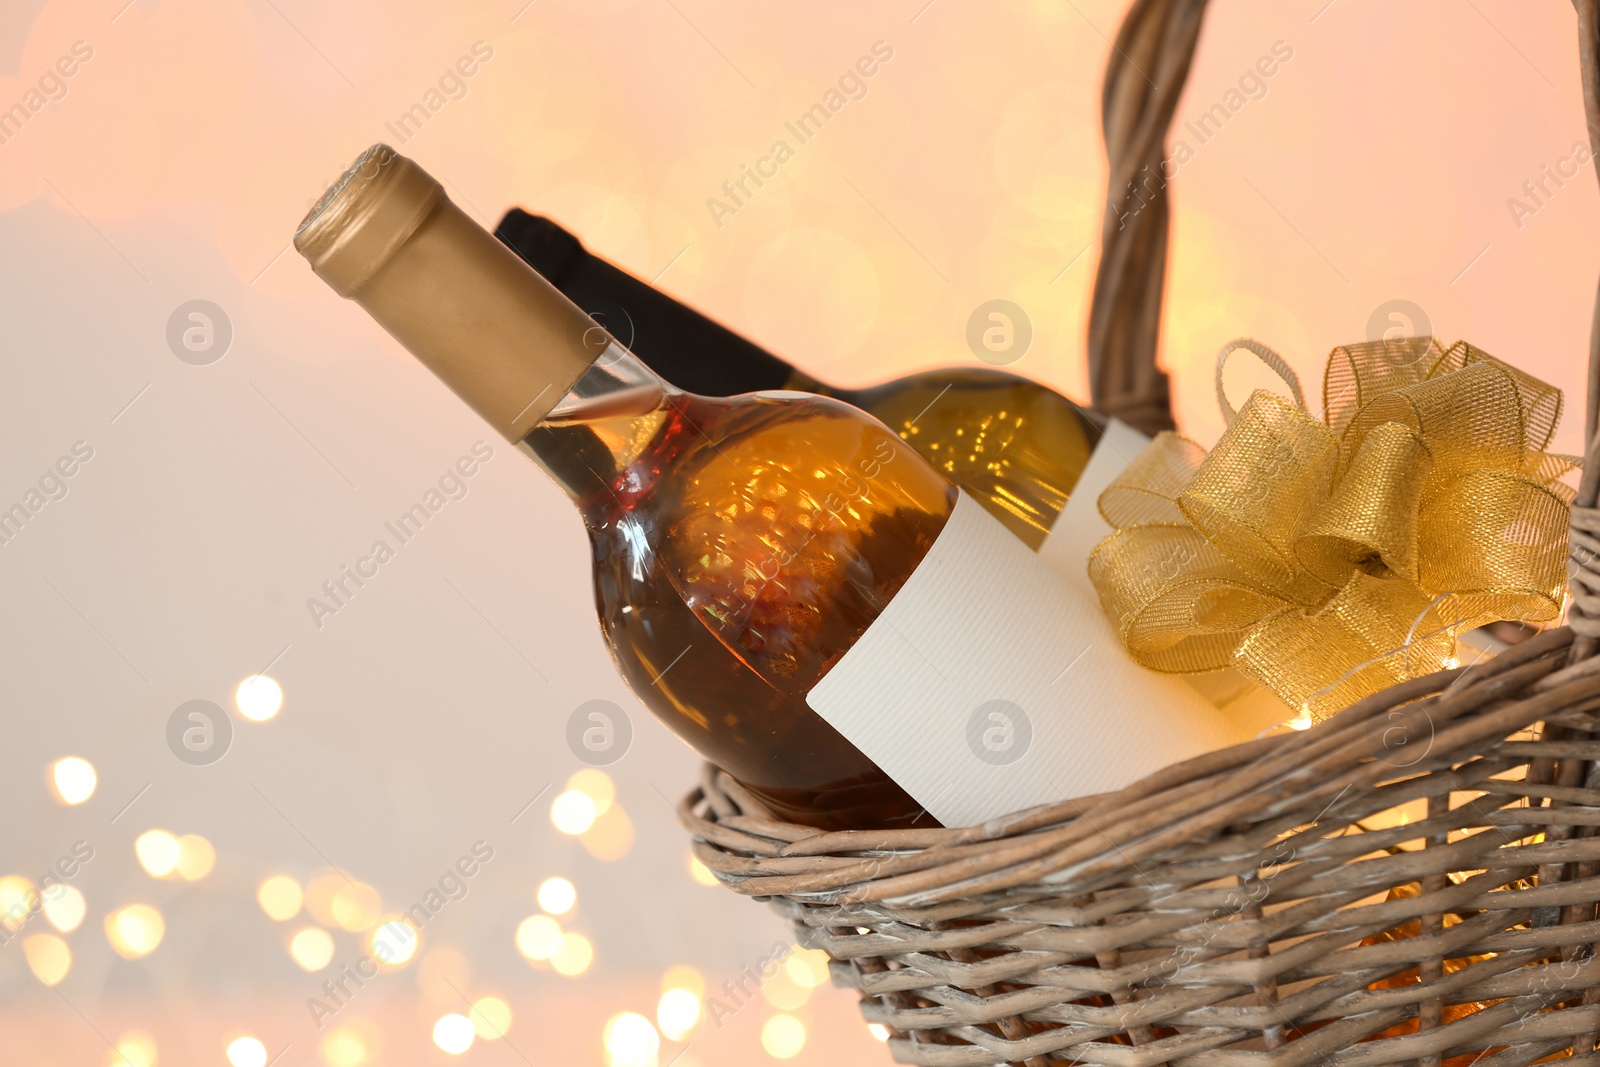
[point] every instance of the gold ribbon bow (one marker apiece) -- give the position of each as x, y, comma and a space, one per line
1328, 560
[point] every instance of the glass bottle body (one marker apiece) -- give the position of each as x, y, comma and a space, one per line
740, 547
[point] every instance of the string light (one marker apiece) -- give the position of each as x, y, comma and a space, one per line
573, 955
557, 895
247, 1052
64, 907
783, 1036
311, 948
538, 937
573, 812
258, 698
196, 857
48, 958
491, 1018
454, 1033
631, 1041
280, 897
73, 779
158, 852
135, 930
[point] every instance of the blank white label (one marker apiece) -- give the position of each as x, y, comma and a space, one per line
992, 683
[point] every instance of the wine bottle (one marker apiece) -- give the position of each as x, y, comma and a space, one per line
795, 592
1016, 446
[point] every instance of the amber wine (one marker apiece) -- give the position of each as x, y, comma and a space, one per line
798, 594
1016, 446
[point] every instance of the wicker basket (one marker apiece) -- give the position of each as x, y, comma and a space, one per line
1415, 879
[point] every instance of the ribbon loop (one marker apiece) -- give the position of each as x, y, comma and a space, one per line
1328, 559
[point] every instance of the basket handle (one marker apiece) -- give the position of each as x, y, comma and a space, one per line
1148, 67
1146, 73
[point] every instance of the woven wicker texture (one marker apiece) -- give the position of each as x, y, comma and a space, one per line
1414, 880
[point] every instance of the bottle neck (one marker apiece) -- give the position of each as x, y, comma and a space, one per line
593, 441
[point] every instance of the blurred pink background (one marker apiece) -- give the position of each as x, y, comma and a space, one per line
1378, 164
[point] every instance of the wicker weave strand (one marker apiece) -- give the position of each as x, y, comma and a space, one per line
1414, 880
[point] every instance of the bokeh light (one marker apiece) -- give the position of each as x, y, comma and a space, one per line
73, 779
611, 836
878, 1030
573, 812
538, 937
48, 957
320, 891
133, 1049
557, 895
630, 1041
280, 897
135, 930
64, 906
573, 955
491, 1017
247, 1052
394, 941
18, 898
454, 1033
702, 874
258, 698
311, 948
196, 857
783, 992
596, 785
354, 1044
783, 1036
677, 1012
158, 852
355, 906
807, 967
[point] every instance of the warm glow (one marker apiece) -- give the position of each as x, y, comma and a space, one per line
454, 1033
573, 955
394, 942
196, 857
611, 836
312, 948
676, 1013
700, 872
74, 779
573, 812
17, 901
64, 907
681, 977
596, 785
807, 967
784, 993
247, 1052
258, 698
280, 897
878, 1030
783, 1036
538, 937
491, 1017
319, 894
348, 1046
158, 852
48, 957
557, 895
134, 1049
1452, 662
631, 1041
356, 906
443, 973
135, 930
